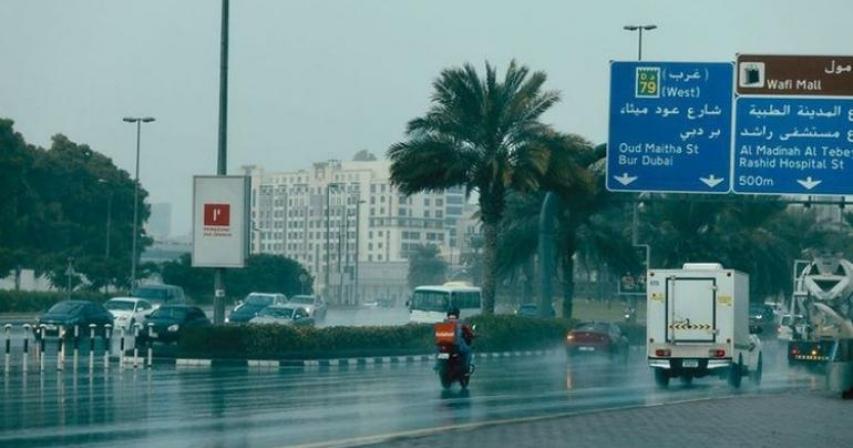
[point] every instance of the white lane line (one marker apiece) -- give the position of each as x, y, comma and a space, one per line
380, 438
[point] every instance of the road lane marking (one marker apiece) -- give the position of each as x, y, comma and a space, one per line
409, 434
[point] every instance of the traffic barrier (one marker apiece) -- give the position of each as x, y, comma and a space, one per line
76, 346
8, 330
150, 343
60, 349
136, 327
92, 328
27, 329
121, 348
41, 347
108, 346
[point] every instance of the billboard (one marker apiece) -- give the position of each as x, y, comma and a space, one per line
220, 221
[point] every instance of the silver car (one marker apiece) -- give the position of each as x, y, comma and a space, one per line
315, 305
288, 314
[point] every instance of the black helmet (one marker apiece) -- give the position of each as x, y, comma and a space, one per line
454, 311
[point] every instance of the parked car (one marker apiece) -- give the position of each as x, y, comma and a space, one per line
170, 321
288, 314
128, 311
532, 310
160, 294
252, 305
315, 305
597, 337
70, 313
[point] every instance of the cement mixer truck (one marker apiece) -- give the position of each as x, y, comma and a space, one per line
823, 295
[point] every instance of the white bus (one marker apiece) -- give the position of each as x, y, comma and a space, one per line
429, 304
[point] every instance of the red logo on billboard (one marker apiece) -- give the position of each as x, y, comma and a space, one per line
217, 215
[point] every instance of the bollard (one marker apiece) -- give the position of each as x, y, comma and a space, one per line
60, 349
76, 346
92, 347
121, 348
150, 344
8, 329
136, 328
41, 347
27, 329
108, 334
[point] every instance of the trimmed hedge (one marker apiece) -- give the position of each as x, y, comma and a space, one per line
38, 301
494, 333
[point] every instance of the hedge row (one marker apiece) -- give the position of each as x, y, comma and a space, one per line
494, 333
39, 301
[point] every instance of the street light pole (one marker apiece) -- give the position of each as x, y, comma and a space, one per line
138, 121
357, 242
222, 155
635, 220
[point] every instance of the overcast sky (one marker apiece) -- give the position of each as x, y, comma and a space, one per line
312, 80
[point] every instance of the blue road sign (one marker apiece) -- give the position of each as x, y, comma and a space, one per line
670, 127
793, 146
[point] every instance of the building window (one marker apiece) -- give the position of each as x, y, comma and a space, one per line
426, 202
426, 213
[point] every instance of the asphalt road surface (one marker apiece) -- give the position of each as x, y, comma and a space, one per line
169, 406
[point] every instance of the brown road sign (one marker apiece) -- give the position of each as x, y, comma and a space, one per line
794, 75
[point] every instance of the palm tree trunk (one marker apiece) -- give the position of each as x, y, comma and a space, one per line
490, 247
527, 289
568, 266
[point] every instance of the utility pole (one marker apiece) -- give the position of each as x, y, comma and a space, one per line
222, 156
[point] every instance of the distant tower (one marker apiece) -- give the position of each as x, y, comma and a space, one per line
159, 224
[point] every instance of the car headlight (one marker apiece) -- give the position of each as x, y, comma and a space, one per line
173, 328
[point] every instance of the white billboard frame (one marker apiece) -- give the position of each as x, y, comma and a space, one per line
221, 245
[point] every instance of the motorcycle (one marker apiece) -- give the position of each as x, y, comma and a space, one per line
449, 364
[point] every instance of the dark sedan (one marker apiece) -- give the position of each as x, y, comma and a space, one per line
70, 313
597, 337
169, 321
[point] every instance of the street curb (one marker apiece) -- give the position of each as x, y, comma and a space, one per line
373, 361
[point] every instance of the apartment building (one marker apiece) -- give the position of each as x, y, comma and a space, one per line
350, 227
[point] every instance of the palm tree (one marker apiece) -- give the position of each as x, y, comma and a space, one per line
484, 134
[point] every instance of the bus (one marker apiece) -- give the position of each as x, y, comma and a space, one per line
429, 304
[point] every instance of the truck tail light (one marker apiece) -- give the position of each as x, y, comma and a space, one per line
717, 353
663, 353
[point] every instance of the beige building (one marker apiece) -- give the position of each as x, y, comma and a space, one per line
350, 227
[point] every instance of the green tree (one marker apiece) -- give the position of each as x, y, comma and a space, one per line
484, 134
589, 224
263, 273
55, 207
426, 267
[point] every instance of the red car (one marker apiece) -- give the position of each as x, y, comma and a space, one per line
597, 337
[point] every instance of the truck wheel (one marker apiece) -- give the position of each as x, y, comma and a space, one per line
755, 375
661, 378
735, 372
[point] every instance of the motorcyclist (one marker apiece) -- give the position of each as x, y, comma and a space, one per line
465, 336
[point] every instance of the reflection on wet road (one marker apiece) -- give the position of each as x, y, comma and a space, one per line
246, 407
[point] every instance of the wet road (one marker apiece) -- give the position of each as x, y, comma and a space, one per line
284, 407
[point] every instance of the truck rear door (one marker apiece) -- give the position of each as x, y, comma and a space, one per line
691, 309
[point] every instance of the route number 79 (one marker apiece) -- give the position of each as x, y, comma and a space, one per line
647, 82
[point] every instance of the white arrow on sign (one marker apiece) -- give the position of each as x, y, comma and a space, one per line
625, 179
809, 183
712, 181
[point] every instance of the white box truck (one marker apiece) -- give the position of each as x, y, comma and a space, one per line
698, 325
